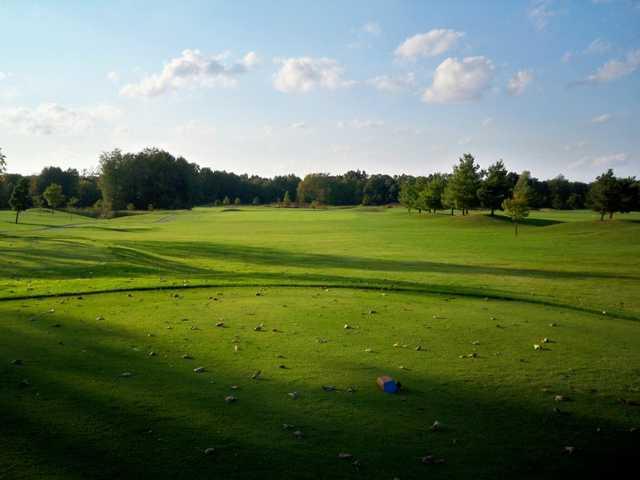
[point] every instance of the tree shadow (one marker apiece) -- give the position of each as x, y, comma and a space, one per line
271, 256
79, 419
532, 222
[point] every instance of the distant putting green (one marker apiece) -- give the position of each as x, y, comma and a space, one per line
103, 324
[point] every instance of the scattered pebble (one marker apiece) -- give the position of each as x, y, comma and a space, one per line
436, 426
559, 398
256, 375
537, 347
220, 324
199, 370
17, 362
347, 326
152, 354
329, 388
294, 395
126, 374
99, 318
230, 399
569, 450
345, 456
469, 355
186, 356
209, 451
298, 434
431, 460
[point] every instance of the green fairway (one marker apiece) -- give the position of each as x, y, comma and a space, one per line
450, 306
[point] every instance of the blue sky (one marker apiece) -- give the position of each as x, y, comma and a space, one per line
296, 87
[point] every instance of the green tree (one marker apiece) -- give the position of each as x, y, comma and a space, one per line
518, 206
431, 197
605, 194
226, 200
464, 183
629, 194
20, 199
54, 196
237, 201
495, 187
256, 201
409, 195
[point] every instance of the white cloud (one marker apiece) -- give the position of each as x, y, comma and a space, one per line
298, 125
465, 141
540, 13
113, 77
460, 81
487, 121
598, 46
428, 44
519, 82
612, 70
566, 58
393, 84
360, 124
604, 118
610, 160
615, 69
305, 74
250, 60
51, 118
3, 76
192, 69
372, 28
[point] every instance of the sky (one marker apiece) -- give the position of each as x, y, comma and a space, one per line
271, 88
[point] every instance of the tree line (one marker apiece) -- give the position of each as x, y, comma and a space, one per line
468, 186
154, 178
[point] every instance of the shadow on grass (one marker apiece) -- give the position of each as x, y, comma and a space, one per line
277, 257
533, 222
79, 419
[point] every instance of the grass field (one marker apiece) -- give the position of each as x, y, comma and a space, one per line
450, 306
